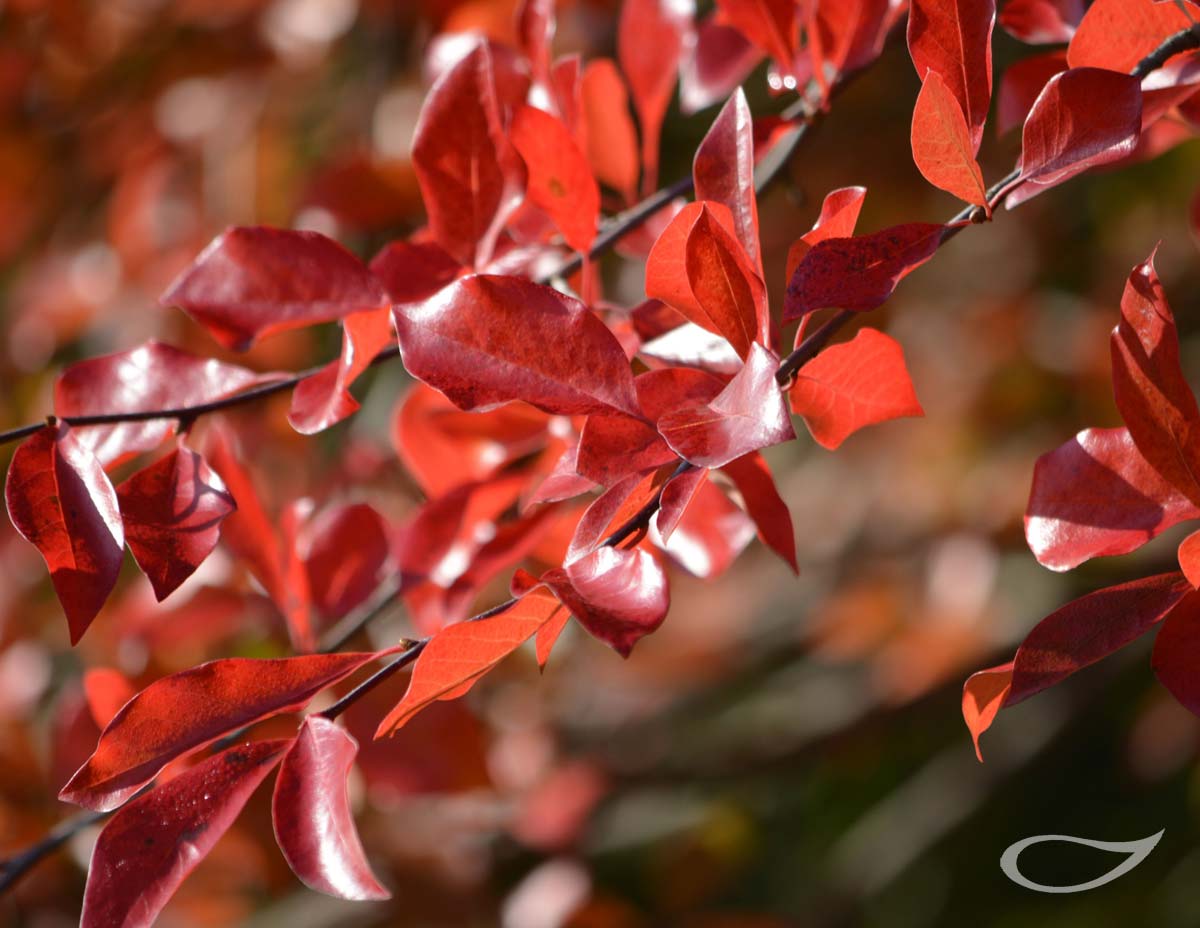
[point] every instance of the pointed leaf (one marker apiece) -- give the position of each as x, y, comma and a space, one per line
62, 503
560, 179
765, 506
619, 596
185, 711
839, 215
723, 170
254, 281
1117, 34
984, 694
1096, 496
172, 512
612, 145
941, 145
311, 813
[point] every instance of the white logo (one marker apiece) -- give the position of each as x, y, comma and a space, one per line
1136, 852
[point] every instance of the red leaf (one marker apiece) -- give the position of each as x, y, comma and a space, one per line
1041, 22
413, 271
254, 281
954, 39
1117, 34
1095, 496
348, 550
677, 495
470, 177
710, 534
859, 273
984, 694
612, 145
535, 29
1176, 651
719, 60
769, 24
251, 534
1151, 392
941, 146
852, 385
107, 690
650, 43
311, 813
62, 503
149, 847
1090, 628
324, 399
613, 508
176, 715
149, 377
1189, 558
747, 415
845, 35
619, 596
724, 170
766, 507
172, 512
560, 180
613, 447
1083, 117
1021, 84
458, 655
839, 215
487, 340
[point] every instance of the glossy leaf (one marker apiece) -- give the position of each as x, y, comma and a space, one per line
148, 848
941, 144
1083, 117
187, 710
255, 281
677, 494
62, 503
859, 273
560, 179
709, 535
172, 512
324, 399
839, 215
650, 42
747, 415
852, 385
1096, 496
723, 170
765, 506
984, 694
953, 38
458, 655
149, 377
311, 813
718, 61
1040, 22
488, 340
1117, 34
471, 179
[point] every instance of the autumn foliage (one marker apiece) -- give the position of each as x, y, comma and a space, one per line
571, 450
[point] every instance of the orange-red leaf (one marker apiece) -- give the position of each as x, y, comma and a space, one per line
983, 696
941, 144
560, 180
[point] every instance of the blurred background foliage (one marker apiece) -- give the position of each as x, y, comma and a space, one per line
783, 752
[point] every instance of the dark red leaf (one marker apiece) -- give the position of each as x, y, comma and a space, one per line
458, 655
766, 507
719, 60
348, 548
62, 503
723, 170
413, 271
612, 145
1083, 117
839, 215
185, 711
149, 847
1117, 34
749, 414
677, 495
324, 399
859, 273
650, 42
852, 385
1151, 392
769, 24
311, 813
1041, 22
983, 696
1095, 496
471, 178
1021, 84
954, 39
941, 145
560, 180
149, 377
845, 35
487, 340
1176, 650
253, 281
172, 512
613, 508
1090, 628
613, 447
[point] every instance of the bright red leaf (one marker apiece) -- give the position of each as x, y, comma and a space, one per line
172, 511
1041, 22
769, 24
62, 503
612, 145
107, 690
983, 696
839, 215
1189, 558
148, 848
254, 281
185, 711
852, 385
1117, 34
311, 813
941, 144
723, 170
765, 506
